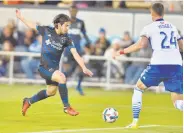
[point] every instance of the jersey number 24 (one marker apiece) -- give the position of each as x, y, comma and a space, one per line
172, 40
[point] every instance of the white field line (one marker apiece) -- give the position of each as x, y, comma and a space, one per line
100, 129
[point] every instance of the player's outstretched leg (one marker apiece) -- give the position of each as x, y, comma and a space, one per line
136, 104
79, 88
63, 91
43, 94
177, 100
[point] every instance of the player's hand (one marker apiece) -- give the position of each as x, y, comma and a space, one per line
117, 53
18, 13
87, 72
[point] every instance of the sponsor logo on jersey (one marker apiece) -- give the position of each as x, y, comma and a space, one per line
51, 70
54, 44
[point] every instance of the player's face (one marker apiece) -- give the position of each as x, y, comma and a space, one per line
73, 12
102, 35
64, 28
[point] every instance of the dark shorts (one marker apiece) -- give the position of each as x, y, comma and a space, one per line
46, 73
170, 75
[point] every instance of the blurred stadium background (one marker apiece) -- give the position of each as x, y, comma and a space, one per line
120, 22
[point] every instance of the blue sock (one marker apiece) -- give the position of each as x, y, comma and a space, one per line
136, 103
79, 83
39, 96
63, 91
81, 76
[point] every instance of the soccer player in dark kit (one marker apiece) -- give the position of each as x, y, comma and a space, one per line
54, 41
76, 29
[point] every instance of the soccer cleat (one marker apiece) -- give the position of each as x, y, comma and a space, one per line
25, 106
132, 126
70, 111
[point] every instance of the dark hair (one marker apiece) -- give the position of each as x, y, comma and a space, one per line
61, 18
158, 8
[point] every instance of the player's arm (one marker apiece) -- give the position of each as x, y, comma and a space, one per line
180, 43
142, 43
28, 23
80, 62
83, 29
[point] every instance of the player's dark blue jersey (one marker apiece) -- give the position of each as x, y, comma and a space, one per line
53, 46
76, 29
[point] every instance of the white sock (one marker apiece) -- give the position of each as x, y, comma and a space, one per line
179, 104
136, 104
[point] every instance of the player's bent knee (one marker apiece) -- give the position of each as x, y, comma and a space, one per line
176, 96
62, 79
141, 85
51, 90
59, 77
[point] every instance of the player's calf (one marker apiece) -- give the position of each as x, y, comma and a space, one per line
137, 102
51, 90
43, 94
63, 91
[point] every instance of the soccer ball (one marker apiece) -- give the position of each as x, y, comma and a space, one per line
110, 115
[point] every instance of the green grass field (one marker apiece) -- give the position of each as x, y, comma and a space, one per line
158, 114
